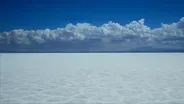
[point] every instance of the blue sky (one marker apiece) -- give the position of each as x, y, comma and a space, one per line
41, 14
83, 25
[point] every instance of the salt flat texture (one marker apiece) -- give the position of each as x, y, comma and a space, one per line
92, 78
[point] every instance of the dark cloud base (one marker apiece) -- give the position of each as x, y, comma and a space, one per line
47, 51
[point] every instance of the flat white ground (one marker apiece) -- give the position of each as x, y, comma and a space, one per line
93, 78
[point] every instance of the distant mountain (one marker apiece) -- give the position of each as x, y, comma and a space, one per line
152, 49
82, 48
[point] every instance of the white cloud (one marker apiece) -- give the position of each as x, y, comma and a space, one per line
180, 24
136, 31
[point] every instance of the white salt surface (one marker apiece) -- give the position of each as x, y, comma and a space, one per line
92, 78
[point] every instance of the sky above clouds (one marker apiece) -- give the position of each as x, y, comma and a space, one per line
41, 14
77, 25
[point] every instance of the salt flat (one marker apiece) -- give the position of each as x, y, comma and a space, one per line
92, 78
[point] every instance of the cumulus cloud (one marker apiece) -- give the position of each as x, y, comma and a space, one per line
107, 37
180, 24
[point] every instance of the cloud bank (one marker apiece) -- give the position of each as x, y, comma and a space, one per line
113, 37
